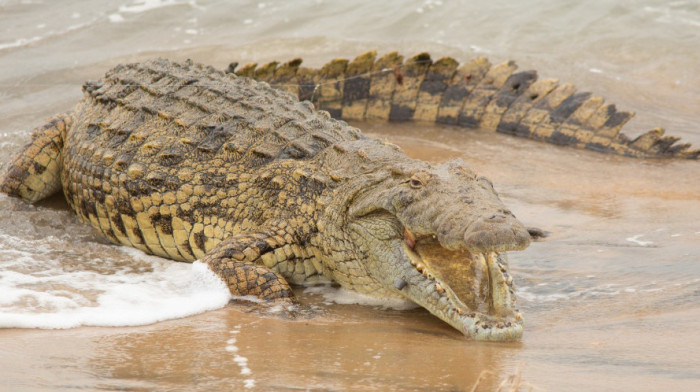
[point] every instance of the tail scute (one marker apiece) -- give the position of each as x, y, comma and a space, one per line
432, 90
403, 103
473, 95
357, 84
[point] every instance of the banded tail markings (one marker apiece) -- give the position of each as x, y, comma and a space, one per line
655, 142
285, 77
357, 84
247, 70
266, 72
477, 95
540, 111
476, 103
559, 113
329, 88
403, 103
519, 108
431, 91
307, 78
607, 122
572, 131
514, 87
463, 82
382, 86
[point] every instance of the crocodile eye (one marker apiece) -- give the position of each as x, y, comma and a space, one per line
416, 182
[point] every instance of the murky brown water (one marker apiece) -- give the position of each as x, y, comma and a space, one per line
611, 298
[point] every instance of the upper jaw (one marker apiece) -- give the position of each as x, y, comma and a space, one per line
471, 291
486, 233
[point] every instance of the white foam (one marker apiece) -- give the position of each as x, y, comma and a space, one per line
139, 6
116, 18
56, 296
23, 42
20, 42
241, 361
341, 296
636, 240
478, 49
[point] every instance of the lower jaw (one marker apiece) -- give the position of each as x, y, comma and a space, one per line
500, 322
505, 335
494, 334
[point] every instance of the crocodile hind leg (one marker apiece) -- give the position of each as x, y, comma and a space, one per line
35, 172
239, 262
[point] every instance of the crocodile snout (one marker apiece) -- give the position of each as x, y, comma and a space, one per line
497, 232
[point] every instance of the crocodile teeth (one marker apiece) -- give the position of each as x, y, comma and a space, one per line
499, 286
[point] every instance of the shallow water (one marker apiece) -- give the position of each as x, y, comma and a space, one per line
611, 298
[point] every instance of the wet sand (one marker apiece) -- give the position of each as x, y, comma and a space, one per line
344, 348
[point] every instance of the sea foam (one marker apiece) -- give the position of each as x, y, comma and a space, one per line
55, 297
139, 6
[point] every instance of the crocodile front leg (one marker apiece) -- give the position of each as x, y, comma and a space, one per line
34, 174
239, 261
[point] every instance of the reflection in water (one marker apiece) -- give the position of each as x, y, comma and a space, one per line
229, 349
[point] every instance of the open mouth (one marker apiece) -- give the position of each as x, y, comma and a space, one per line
471, 291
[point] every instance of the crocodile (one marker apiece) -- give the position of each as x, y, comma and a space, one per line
190, 163
475, 94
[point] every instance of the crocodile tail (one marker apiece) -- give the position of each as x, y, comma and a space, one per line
475, 94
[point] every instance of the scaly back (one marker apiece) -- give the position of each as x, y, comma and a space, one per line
173, 157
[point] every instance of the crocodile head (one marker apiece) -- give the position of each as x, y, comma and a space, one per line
437, 235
